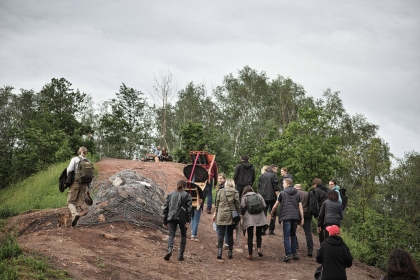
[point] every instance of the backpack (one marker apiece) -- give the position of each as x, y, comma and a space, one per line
313, 204
62, 180
254, 205
344, 198
86, 171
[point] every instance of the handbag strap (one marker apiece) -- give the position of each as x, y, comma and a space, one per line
224, 189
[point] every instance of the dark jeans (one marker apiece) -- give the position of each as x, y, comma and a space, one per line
289, 234
209, 189
270, 204
250, 232
172, 228
222, 230
240, 189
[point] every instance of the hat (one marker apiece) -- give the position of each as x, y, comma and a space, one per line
333, 230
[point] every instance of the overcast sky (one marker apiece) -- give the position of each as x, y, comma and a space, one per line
367, 50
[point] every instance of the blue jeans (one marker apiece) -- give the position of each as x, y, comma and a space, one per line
209, 189
195, 221
289, 233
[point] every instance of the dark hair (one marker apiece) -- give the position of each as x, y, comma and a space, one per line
334, 181
284, 169
180, 185
401, 265
273, 166
222, 175
244, 158
316, 181
247, 189
333, 196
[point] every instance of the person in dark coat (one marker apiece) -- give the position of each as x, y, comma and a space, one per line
334, 255
244, 175
291, 214
331, 212
401, 266
268, 188
304, 198
321, 194
174, 201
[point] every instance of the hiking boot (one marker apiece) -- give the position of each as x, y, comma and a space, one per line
263, 232
295, 256
230, 254
74, 221
168, 254
271, 232
181, 256
286, 258
219, 253
309, 253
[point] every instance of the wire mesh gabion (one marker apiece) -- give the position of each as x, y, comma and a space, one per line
128, 197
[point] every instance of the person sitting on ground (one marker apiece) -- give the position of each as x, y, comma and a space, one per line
334, 255
401, 266
249, 221
164, 156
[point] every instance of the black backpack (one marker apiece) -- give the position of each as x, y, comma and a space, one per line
344, 198
254, 204
313, 204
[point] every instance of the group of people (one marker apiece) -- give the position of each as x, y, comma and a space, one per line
233, 195
162, 154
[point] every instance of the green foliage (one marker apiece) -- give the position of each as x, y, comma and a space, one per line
305, 148
15, 265
39, 191
9, 248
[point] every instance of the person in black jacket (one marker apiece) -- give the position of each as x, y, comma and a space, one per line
174, 201
334, 255
244, 175
268, 188
321, 194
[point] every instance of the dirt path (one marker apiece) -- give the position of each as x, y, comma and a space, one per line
125, 251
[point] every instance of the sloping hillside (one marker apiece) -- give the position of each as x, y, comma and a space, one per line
126, 251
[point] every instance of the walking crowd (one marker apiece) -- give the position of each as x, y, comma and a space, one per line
274, 199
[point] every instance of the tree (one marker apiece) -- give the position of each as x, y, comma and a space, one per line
165, 88
124, 126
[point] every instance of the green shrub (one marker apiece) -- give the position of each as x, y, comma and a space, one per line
9, 248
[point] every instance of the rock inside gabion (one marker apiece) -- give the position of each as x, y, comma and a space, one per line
127, 197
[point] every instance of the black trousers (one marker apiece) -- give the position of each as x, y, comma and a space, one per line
172, 225
250, 233
270, 204
221, 236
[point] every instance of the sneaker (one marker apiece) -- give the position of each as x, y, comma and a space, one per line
74, 222
295, 256
286, 258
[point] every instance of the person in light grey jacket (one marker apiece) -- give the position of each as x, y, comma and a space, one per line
249, 221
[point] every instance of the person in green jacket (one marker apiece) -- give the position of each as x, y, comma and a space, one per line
227, 200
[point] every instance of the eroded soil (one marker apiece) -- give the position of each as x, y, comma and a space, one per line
126, 251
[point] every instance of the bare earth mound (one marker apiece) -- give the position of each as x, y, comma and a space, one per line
122, 250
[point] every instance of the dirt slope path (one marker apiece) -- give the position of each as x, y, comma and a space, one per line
137, 253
